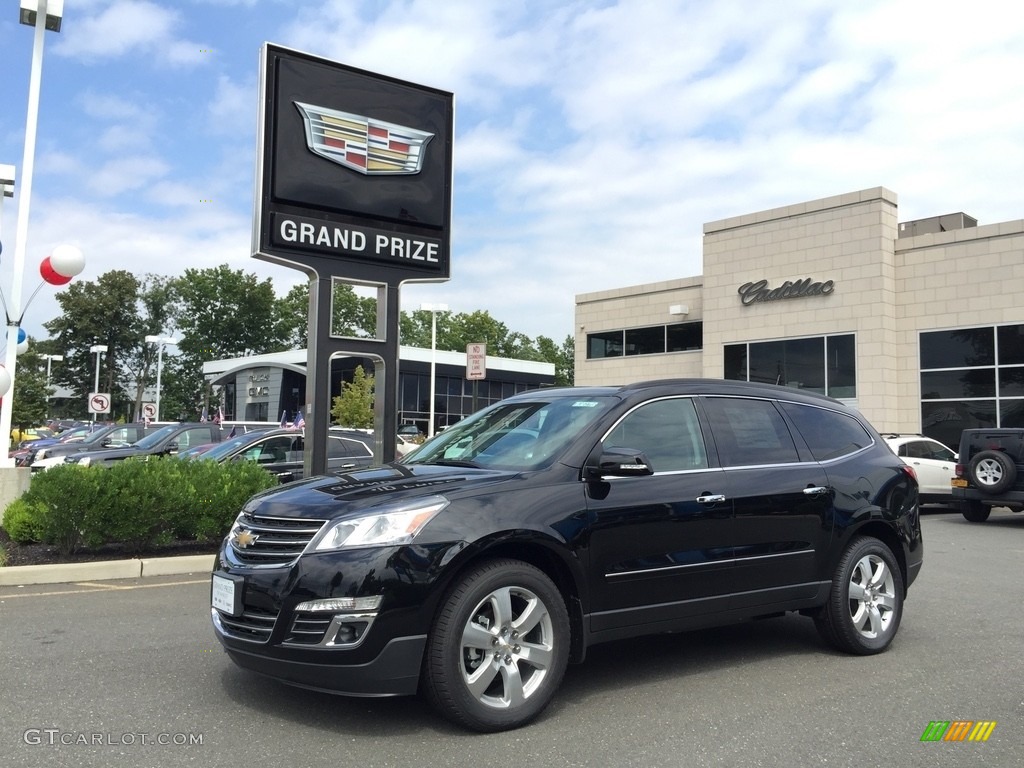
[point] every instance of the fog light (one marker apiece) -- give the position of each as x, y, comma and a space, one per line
350, 632
336, 604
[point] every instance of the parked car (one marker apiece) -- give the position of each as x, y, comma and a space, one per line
989, 472
165, 441
478, 566
934, 463
409, 431
281, 451
107, 436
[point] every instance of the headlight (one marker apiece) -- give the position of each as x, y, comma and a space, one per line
40, 454
396, 524
84, 461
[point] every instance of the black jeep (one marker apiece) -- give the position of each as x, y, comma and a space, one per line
990, 472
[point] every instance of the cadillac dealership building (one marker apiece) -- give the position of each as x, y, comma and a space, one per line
918, 324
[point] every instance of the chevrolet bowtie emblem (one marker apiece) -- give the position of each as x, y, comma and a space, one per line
245, 538
369, 146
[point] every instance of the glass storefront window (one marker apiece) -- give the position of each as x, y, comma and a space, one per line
736, 362
645, 341
841, 366
963, 384
1011, 344
960, 348
684, 337
606, 344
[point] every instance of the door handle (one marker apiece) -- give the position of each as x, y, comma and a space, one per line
815, 491
711, 498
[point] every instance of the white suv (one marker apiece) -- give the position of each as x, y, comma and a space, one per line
934, 463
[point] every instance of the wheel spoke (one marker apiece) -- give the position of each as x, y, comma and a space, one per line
888, 602
531, 616
476, 636
513, 682
857, 592
874, 622
481, 679
539, 656
501, 601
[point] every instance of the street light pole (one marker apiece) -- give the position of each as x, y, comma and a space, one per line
50, 359
433, 309
44, 16
160, 341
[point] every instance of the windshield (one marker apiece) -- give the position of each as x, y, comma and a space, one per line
519, 435
154, 439
226, 448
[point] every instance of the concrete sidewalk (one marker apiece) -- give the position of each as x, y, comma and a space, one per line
59, 573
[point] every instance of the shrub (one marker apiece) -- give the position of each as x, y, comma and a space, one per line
23, 520
71, 494
138, 503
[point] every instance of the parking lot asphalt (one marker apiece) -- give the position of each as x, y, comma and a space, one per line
94, 672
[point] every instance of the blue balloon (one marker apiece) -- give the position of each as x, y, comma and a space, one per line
21, 335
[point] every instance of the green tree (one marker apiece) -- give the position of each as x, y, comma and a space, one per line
563, 358
354, 406
28, 408
351, 314
101, 312
219, 313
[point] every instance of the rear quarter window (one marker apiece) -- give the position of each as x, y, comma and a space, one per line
828, 434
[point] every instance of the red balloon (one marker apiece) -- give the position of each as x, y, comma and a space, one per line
50, 275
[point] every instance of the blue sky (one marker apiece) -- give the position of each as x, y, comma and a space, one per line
593, 138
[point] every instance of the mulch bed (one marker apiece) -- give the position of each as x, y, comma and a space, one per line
42, 554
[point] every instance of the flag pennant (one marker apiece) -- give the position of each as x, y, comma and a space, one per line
284, 419
300, 420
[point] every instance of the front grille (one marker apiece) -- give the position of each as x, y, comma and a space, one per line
308, 628
254, 624
257, 540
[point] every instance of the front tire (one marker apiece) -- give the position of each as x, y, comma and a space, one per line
498, 648
865, 606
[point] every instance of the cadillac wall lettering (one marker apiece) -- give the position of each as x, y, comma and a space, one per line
759, 291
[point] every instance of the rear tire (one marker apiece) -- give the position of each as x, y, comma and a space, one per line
865, 606
498, 648
975, 511
992, 471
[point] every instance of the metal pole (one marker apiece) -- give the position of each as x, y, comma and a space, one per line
159, 370
97, 387
433, 369
18, 262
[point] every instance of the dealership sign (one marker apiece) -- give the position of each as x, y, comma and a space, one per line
354, 171
751, 293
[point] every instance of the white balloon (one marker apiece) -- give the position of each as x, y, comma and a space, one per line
5, 381
23, 347
67, 260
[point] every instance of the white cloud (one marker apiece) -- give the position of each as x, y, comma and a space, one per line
129, 27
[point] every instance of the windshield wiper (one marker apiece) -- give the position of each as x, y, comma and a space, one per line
453, 463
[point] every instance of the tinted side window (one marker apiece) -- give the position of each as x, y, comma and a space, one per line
750, 432
828, 434
667, 431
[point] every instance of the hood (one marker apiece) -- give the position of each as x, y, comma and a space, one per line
331, 496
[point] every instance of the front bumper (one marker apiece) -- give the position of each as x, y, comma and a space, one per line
394, 671
271, 628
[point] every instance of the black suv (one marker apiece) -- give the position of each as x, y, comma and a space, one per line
990, 472
483, 562
281, 451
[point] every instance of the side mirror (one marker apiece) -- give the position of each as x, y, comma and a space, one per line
618, 462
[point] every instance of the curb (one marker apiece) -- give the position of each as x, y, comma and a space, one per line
58, 573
